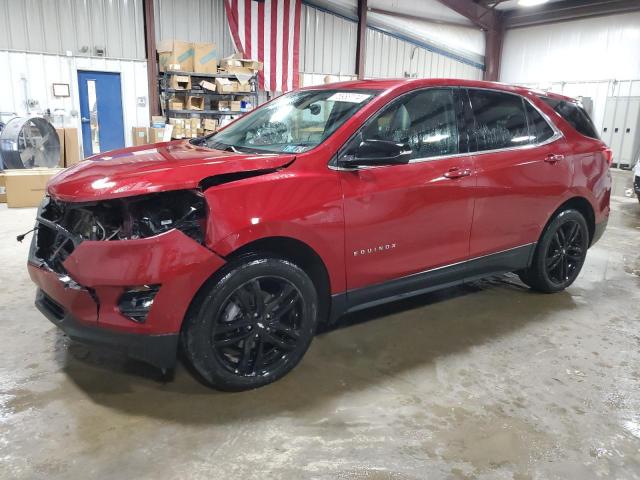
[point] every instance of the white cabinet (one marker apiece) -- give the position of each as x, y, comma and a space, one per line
621, 129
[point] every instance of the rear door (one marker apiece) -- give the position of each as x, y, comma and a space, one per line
403, 219
522, 165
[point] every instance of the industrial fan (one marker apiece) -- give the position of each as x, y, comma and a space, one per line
29, 142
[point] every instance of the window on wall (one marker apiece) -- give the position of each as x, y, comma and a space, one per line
500, 120
424, 120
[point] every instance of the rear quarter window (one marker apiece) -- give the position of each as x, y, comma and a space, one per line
574, 114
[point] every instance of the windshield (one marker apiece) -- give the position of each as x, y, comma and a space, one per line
293, 123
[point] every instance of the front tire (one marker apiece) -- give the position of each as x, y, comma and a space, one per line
253, 324
560, 253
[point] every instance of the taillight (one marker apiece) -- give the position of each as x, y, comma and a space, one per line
608, 155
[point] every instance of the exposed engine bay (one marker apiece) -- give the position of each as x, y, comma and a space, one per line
62, 226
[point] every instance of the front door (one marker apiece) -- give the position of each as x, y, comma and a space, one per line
101, 111
404, 219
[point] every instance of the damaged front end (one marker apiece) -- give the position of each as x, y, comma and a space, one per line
62, 226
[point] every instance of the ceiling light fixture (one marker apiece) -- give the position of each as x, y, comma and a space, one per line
531, 3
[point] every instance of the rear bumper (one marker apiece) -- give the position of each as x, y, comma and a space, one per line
157, 350
599, 230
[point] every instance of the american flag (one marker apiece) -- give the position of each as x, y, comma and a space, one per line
268, 31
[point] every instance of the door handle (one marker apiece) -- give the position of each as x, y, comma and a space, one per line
456, 172
84, 119
553, 157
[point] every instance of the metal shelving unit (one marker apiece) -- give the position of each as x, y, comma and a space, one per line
166, 93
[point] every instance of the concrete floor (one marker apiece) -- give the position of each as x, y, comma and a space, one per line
486, 381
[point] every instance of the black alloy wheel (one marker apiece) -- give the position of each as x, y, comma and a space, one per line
251, 323
560, 253
258, 326
565, 253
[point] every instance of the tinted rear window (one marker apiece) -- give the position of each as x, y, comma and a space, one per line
574, 114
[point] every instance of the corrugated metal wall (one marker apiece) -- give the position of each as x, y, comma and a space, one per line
42, 70
391, 57
79, 26
195, 21
327, 43
328, 46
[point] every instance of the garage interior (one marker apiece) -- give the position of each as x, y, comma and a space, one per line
487, 380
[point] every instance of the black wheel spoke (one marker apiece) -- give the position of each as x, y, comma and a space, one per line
280, 328
553, 261
245, 356
259, 361
258, 296
278, 300
225, 327
573, 232
556, 240
232, 340
278, 342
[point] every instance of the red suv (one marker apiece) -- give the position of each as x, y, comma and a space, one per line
323, 201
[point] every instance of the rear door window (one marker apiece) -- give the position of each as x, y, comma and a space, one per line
539, 129
500, 120
574, 114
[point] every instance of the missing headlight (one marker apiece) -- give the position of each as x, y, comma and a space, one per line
131, 217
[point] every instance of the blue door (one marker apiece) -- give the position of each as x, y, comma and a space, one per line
100, 111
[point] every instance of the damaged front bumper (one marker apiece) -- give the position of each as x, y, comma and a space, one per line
83, 297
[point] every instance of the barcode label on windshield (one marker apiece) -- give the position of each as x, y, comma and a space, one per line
349, 97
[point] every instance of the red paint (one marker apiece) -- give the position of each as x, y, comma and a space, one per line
367, 226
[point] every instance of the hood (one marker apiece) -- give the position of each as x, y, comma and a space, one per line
153, 168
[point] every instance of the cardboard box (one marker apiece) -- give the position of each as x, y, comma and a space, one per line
195, 103
208, 86
224, 85
157, 121
234, 105
205, 58
210, 124
175, 55
156, 135
222, 105
251, 64
139, 136
26, 187
195, 123
3, 190
180, 82
176, 103
244, 87
71, 147
60, 132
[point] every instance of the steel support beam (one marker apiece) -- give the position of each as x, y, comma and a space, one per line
150, 47
489, 20
567, 10
361, 43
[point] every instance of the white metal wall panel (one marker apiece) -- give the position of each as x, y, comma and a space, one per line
42, 70
390, 57
194, 21
328, 47
327, 43
599, 48
79, 26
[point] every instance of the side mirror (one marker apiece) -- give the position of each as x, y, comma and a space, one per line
376, 152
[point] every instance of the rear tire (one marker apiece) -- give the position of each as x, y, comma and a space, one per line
253, 324
560, 253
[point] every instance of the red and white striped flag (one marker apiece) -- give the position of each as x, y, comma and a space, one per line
268, 31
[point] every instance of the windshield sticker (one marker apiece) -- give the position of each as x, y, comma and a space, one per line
349, 97
294, 148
